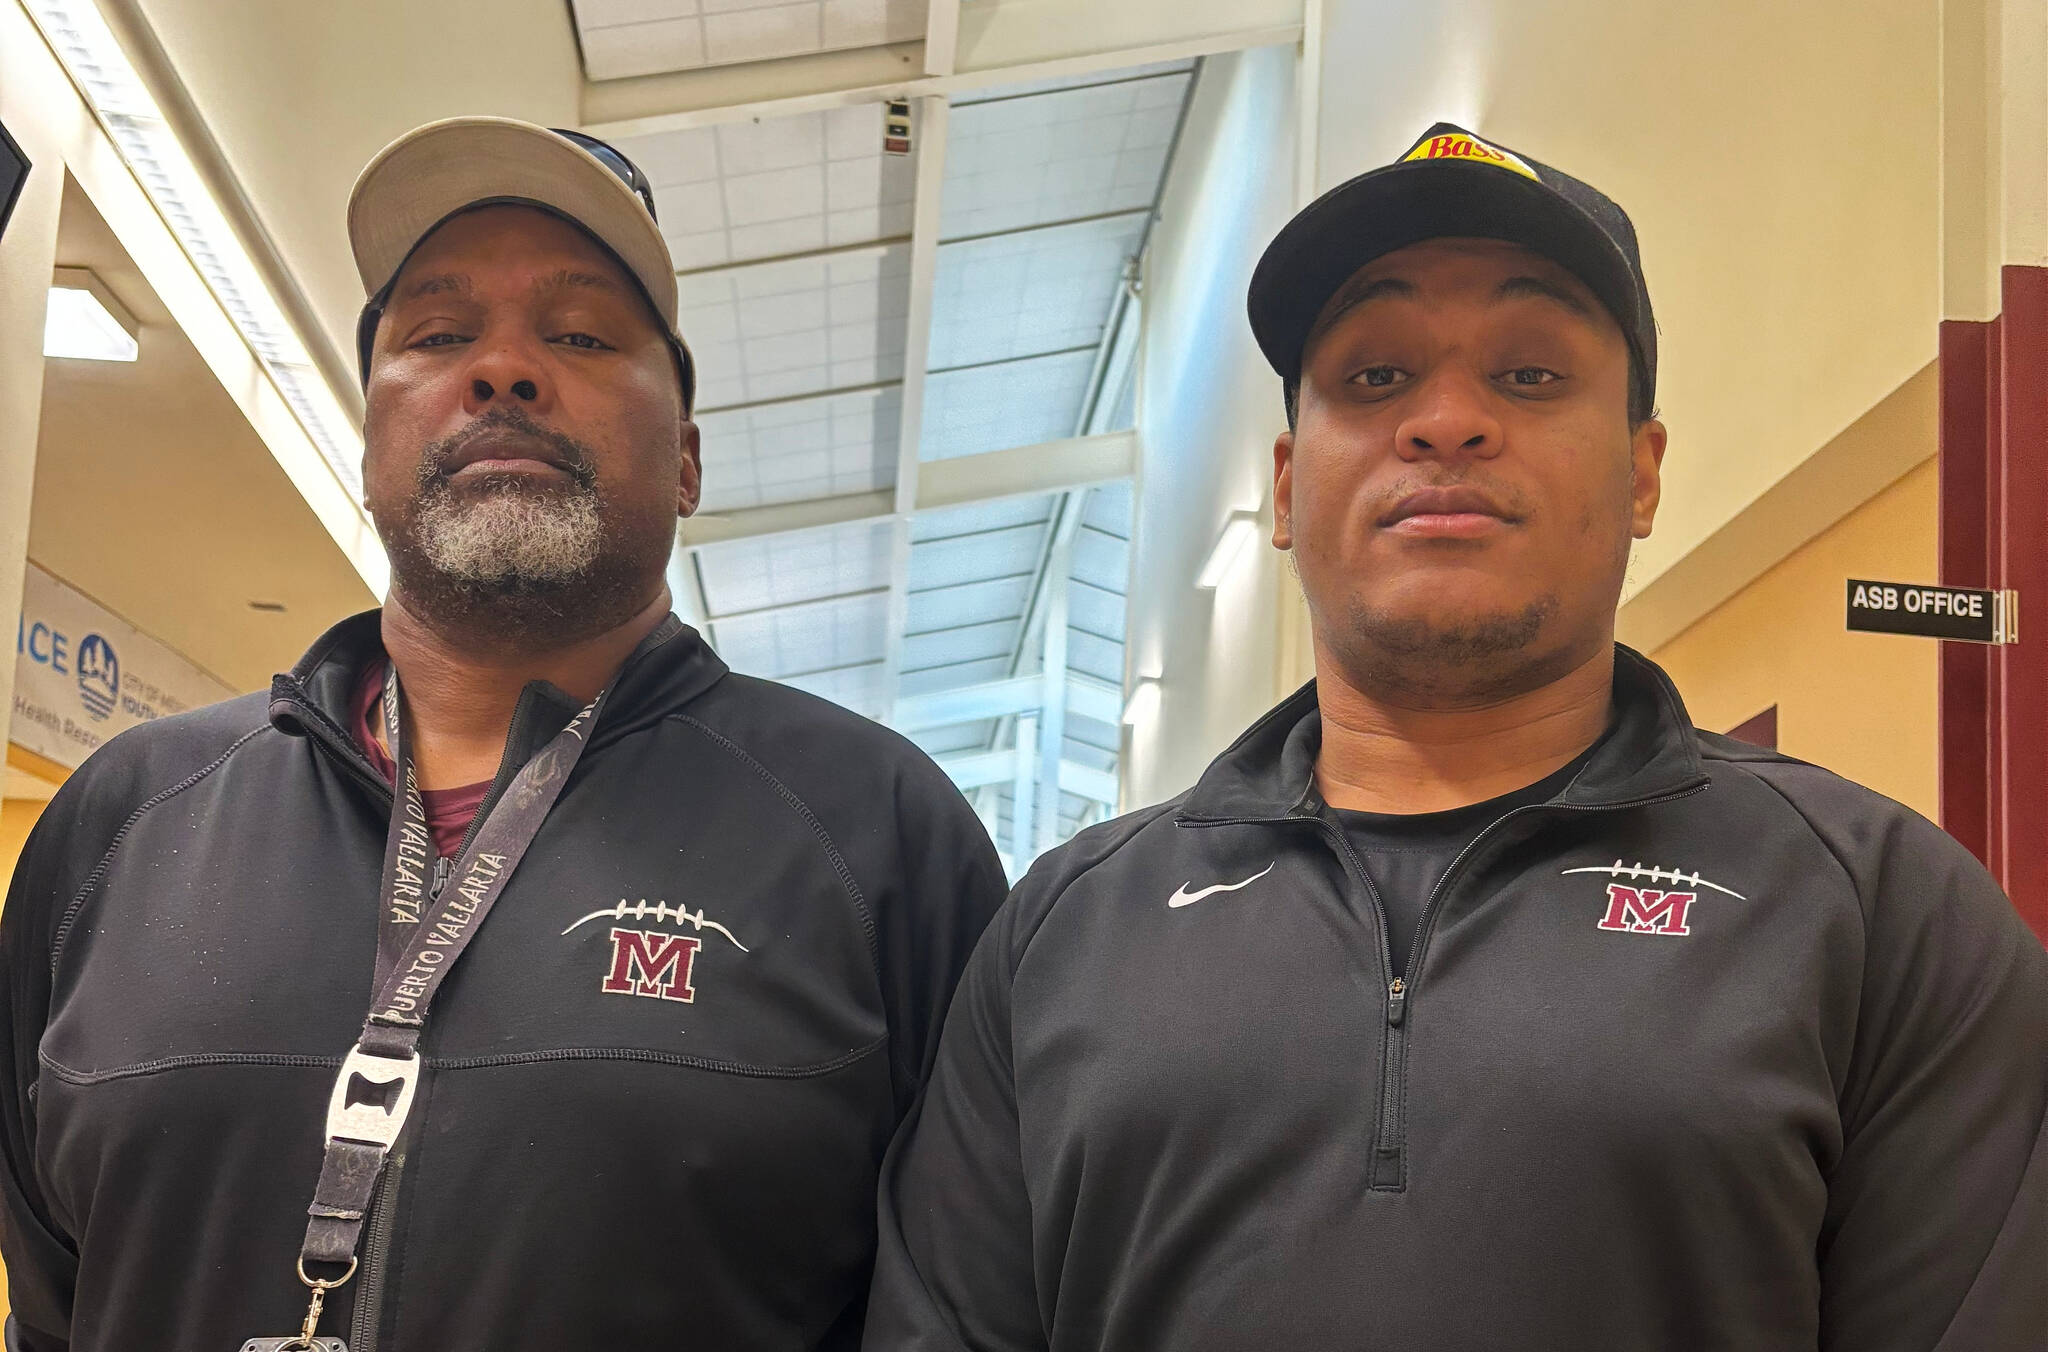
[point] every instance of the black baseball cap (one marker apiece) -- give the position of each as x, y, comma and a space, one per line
1450, 183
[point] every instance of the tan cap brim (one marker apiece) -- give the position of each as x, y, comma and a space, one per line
429, 174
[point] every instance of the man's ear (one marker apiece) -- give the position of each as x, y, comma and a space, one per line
1647, 453
1283, 490
690, 487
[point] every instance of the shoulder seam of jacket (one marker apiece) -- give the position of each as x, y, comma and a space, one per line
803, 810
1134, 823
92, 880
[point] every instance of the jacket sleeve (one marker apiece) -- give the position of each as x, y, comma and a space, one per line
952, 881
954, 1266
1936, 1237
42, 1262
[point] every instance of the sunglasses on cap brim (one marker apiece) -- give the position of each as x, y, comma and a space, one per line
629, 174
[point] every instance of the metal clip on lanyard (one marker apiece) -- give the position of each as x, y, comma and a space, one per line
378, 1079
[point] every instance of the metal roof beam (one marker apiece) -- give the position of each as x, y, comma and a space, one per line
974, 769
1025, 471
997, 699
1044, 40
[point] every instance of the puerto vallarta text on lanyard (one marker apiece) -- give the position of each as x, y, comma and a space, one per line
422, 932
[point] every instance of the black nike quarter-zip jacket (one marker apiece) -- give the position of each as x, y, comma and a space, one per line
1713, 1050
657, 1089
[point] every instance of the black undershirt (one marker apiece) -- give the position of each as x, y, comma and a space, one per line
1405, 854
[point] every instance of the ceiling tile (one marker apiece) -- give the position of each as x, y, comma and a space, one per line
860, 689
976, 558
979, 517
781, 570
1058, 156
617, 53
1032, 292
969, 603
820, 636
805, 449
993, 408
750, 190
797, 326
1102, 561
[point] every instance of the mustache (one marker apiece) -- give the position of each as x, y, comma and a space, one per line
1509, 500
576, 458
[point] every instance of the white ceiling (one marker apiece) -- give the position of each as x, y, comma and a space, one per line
799, 292
644, 37
157, 499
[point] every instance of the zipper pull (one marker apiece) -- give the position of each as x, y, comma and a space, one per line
443, 866
1397, 1002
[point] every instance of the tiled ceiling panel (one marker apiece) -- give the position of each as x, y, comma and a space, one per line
951, 678
969, 603
860, 689
781, 570
793, 452
623, 38
842, 632
1030, 292
1057, 83
980, 517
1060, 156
993, 408
797, 326
785, 185
975, 558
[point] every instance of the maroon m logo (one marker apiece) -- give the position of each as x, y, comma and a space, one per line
1642, 911
647, 962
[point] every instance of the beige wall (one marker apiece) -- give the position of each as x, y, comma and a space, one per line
1782, 166
1863, 705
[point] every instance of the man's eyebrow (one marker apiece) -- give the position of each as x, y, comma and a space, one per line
1358, 291
439, 284
1516, 288
597, 281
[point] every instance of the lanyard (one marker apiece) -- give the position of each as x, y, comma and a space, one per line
423, 931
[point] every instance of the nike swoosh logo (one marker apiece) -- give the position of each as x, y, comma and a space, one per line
1183, 897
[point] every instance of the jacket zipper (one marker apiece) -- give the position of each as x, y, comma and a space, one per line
383, 1217
1388, 1170
369, 1310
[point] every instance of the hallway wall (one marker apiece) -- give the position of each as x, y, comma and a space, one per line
1209, 408
1862, 705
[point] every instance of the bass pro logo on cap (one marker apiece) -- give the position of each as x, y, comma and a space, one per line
1463, 145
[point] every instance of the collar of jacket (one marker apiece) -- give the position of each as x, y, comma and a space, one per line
1651, 750
313, 698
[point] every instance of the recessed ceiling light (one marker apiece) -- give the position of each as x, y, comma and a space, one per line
85, 321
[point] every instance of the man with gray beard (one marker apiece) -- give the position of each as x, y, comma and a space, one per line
512, 974
1475, 1000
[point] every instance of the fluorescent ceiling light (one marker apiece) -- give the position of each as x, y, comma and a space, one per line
86, 321
1143, 705
1238, 534
79, 35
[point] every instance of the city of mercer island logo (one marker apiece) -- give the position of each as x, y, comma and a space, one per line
1654, 900
656, 964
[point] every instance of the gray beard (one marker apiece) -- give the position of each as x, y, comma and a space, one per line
507, 538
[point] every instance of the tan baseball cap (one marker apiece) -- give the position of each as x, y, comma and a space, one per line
446, 167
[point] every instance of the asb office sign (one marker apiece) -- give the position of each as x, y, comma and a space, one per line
82, 674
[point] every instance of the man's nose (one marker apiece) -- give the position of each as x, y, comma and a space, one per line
1452, 417
507, 368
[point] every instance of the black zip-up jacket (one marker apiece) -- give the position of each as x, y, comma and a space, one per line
1714, 1050
657, 1089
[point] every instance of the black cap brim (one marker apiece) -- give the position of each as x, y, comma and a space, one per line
1409, 202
